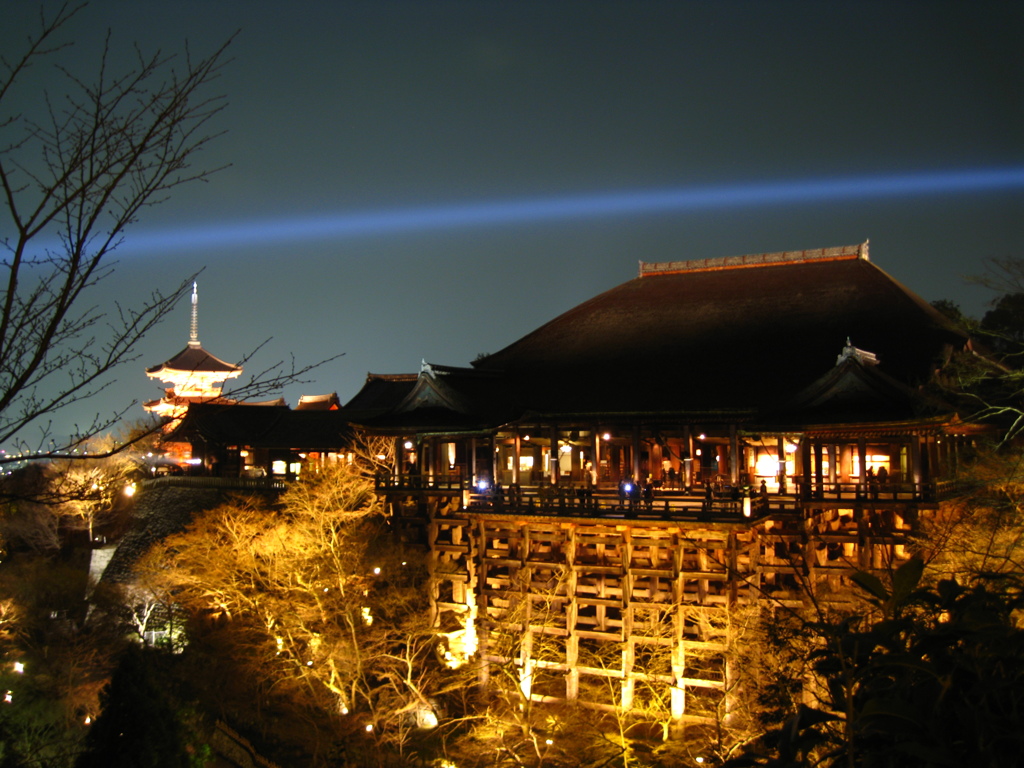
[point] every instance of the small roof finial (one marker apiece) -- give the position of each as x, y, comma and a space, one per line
193, 340
862, 356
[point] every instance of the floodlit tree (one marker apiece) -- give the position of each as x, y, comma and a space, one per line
74, 175
982, 531
45, 503
313, 609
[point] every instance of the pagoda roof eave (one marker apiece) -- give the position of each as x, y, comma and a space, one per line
195, 360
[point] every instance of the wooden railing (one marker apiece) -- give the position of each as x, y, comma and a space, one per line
664, 504
675, 506
875, 491
228, 483
416, 483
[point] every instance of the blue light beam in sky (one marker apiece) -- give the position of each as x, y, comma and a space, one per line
596, 205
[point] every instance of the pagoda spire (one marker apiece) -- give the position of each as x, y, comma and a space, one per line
193, 340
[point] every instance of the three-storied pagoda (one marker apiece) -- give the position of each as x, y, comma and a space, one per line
194, 374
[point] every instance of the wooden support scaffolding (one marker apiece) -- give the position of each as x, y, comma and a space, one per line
633, 616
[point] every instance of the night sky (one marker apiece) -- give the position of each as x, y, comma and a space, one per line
433, 180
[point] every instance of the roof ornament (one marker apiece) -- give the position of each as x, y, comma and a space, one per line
861, 356
843, 253
193, 340
426, 368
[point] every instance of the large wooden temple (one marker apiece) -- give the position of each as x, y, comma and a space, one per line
599, 496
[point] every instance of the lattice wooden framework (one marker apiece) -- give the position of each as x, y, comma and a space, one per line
634, 615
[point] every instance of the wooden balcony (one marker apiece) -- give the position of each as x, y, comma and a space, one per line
696, 504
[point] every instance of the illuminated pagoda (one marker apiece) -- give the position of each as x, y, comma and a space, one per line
194, 374
713, 433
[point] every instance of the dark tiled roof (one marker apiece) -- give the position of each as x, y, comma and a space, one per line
440, 397
857, 392
381, 393
194, 358
318, 402
742, 333
264, 426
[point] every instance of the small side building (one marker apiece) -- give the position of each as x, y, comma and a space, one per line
262, 440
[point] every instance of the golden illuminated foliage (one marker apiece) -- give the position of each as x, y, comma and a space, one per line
311, 607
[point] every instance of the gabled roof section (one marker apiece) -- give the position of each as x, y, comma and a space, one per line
382, 392
194, 359
437, 387
439, 396
855, 390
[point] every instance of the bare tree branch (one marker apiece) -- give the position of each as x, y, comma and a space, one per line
73, 178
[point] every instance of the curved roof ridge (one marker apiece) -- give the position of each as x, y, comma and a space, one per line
755, 260
195, 359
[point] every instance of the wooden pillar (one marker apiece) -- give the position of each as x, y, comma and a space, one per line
576, 463
782, 463
942, 451
556, 456
734, 456
819, 475
516, 448
804, 450
845, 463
472, 461
628, 659
687, 468
916, 475
636, 454
597, 452
572, 643
862, 455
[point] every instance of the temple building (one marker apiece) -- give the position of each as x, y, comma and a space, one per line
607, 489
194, 375
736, 370
264, 440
